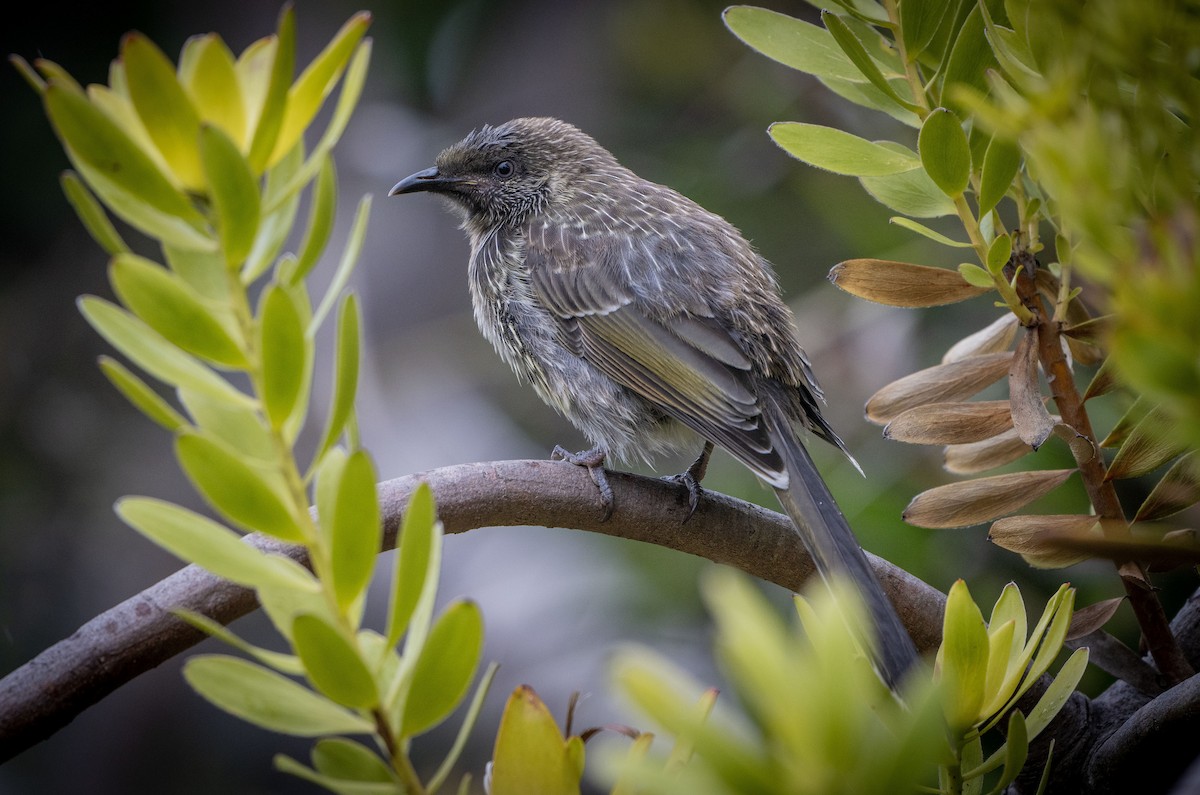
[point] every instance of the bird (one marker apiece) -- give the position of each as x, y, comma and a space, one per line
649, 323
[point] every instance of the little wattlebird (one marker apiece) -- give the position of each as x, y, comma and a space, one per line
641, 316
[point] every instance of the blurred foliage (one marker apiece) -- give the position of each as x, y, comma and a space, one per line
208, 159
817, 719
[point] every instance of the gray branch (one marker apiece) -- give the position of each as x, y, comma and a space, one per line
46, 693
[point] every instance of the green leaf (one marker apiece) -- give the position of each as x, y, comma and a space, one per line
164, 108
531, 754
791, 42
945, 153
919, 22
91, 214
999, 253
320, 221
234, 193
975, 275
139, 393
444, 671
269, 119
354, 244
284, 663
333, 665
1052, 640
1016, 750
970, 59
209, 75
264, 698
150, 351
355, 529
345, 376
868, 96
101, 147
857, 53
925, 231
278, 221
197, 539
414, 560
912, 193
234, 488
285, 764
345, 759
306, 96
239, 425
283, 347
1058, 692
464, 729
964, 657
170, 307
1000, 166
840, 152
351, 90
204, 271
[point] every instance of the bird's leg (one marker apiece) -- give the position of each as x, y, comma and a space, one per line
594, 461
691, 477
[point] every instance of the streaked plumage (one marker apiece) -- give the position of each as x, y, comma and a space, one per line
640, 315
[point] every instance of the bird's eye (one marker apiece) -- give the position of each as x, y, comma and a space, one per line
504, 168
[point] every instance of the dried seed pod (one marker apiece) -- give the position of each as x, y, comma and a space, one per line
992, 338
1036, 537
938, 384
970, 459
951, 423
1029, 416
1179, 488
902, 283
981, 500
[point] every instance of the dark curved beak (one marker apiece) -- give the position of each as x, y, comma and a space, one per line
429, 179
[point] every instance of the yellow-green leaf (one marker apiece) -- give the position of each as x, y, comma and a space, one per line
198, 539
332, 664
267, 699
170, 307
98, 144
963, 657
234, 488
345, 377
282, 346
210, 78
445, 668
308, 93
269, 114
355, 531
92, 214
139, 393
919, 21
152, 352
320, 221
164, 107
234, 193
531, 754
413, 560
792, 42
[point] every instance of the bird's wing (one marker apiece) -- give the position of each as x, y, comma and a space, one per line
685, 364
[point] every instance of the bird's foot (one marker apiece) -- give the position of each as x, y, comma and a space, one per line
594, 461
691, 477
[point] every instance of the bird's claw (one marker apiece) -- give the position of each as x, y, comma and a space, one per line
690, 482
593, 460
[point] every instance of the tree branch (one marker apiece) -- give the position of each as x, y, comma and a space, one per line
46, 693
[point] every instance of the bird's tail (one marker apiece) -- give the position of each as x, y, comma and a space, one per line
834, 549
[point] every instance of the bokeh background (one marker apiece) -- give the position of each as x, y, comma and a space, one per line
667, 88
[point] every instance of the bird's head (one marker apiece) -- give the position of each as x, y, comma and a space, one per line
501, 174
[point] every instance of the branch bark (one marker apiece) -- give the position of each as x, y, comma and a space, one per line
46, 693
